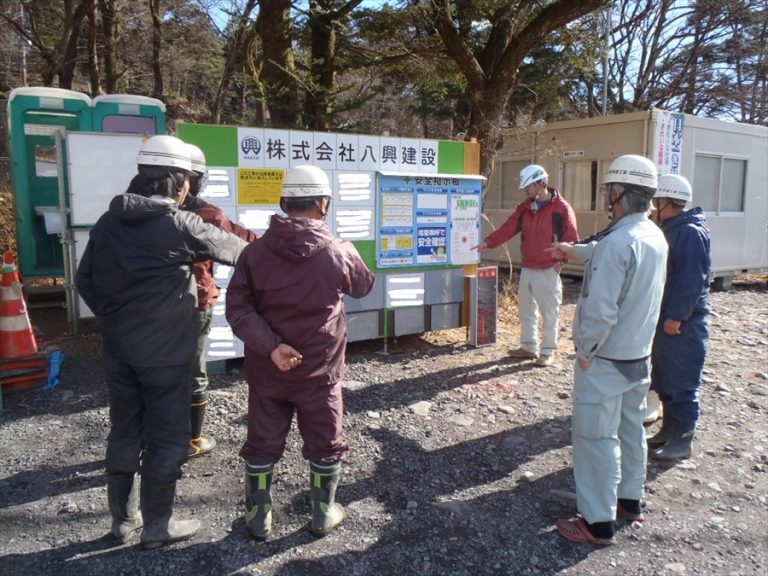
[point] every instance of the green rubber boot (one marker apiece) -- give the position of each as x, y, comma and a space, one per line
258, 499
327, 514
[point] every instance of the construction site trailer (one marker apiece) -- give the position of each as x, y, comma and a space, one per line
726, 163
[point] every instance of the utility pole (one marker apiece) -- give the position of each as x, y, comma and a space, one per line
24, 45
606, 46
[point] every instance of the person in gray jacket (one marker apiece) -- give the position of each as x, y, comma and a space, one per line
624, 274
136, 276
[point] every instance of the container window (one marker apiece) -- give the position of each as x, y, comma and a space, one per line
511, 195
733, 185
719, 183
580, 184
706, 181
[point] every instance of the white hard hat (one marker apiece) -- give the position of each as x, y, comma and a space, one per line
632, 169
675, 187
197, 157
165, 151
305, 181
531, 174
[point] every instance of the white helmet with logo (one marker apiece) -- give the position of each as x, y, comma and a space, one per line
632, 169
165, 151
197, 158
305, 181
675, 187
531, 174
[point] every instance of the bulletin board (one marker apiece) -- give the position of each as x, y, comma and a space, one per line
99, 167
427, 219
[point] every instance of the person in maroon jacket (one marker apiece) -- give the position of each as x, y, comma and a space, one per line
285, 301
542, 218
207, 295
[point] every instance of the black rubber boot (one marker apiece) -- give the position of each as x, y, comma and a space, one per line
157, 508
327, 514
199, 444
123, 499
258, 499
678, 448
661, 437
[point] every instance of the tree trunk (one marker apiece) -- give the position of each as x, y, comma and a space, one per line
109, 35
93, 57
157, 44
279, 72
236, 46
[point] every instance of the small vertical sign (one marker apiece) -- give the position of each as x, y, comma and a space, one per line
482, 306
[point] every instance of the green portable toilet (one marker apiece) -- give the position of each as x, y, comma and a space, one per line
35, 114
128, 114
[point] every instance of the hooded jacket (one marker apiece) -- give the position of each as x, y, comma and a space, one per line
288, 288
554, 221
136, 276
686, 291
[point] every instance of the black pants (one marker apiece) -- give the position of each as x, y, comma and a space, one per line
149, 411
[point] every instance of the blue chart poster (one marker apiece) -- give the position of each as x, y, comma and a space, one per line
429, 219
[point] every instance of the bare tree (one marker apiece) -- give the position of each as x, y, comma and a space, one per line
52, 29
490, 68
237, 50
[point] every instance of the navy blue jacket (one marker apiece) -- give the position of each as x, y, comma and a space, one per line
686, 291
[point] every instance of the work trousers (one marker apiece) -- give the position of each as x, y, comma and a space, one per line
678, 363
319, 412
539, 291
199, 365
149, 412
609, 452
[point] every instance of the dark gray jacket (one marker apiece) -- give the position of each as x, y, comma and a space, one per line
136, 276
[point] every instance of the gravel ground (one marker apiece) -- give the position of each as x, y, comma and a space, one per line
460, 464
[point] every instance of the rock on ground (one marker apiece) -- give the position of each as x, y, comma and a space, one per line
460, 464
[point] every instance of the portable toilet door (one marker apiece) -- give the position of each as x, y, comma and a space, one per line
128, 114
35, 115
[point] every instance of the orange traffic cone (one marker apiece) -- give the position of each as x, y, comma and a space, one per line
17, 340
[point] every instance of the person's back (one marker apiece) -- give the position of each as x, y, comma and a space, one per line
300, 298
285, 301
143, 290
136, 276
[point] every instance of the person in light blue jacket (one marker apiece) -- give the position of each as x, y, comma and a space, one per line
616, 315
682, 334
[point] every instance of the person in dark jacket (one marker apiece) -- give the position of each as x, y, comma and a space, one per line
136, 276
285, 301
682, 334
207, 296
543, 218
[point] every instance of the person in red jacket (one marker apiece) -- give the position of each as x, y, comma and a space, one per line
542, 218
285, 301
207, 295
